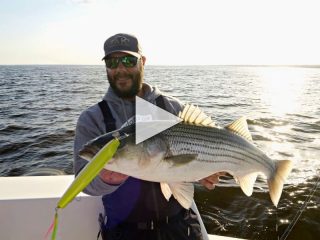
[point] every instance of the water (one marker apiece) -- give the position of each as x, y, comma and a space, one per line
39, 106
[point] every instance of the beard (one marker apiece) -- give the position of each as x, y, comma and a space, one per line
137, 80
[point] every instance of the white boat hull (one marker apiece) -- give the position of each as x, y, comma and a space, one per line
27, 207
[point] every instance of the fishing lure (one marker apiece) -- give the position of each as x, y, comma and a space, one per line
87, 174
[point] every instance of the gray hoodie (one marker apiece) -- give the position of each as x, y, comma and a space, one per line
91, 125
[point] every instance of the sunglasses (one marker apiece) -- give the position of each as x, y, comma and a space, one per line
127, 61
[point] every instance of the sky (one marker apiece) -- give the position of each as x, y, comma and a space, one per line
171, 32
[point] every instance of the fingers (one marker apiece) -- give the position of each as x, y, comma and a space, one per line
111, 177
207, 184
220, 174
210, 181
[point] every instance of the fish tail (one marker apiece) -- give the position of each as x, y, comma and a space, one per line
275, 183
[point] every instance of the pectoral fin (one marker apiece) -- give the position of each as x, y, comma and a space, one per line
182, 192
181, 159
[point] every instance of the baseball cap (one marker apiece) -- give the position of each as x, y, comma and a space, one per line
122, 42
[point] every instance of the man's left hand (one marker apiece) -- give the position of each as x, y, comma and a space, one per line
212, 180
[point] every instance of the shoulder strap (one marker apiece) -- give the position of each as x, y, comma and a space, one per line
160, 102
109, 121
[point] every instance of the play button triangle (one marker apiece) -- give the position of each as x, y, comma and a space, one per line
151, 120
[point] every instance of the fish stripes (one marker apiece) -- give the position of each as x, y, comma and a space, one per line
212, 142
188, 152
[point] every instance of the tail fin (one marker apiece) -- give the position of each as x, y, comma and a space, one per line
275, 183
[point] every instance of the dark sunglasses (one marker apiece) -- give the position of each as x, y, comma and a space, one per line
127, 61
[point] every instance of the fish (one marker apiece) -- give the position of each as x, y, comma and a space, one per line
189, 151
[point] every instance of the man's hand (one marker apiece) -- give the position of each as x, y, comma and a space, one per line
212, 180
112, 177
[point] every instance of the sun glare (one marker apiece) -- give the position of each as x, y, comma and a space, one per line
282, 88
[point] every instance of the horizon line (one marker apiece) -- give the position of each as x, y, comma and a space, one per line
176, 65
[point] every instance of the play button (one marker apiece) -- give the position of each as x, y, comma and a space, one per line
151, 120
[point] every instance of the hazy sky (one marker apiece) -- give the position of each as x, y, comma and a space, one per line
170, 31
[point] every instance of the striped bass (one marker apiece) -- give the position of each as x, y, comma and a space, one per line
192, 150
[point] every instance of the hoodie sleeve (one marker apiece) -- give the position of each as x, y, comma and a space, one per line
89, 127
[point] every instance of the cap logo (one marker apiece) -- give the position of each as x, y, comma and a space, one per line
119, 41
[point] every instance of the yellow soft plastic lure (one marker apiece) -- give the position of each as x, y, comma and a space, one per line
90, 171
87, 174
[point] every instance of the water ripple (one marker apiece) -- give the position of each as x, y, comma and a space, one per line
39, 106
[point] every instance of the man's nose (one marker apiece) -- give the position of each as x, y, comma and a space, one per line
120, 67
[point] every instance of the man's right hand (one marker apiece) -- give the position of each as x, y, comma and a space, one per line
111, 177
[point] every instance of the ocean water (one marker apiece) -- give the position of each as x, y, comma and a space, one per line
39, 106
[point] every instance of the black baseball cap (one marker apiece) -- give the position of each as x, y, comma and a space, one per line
122, 42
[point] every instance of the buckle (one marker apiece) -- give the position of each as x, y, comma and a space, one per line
142, 225
145, 225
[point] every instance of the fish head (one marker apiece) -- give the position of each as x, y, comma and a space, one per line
138, 159
91, 148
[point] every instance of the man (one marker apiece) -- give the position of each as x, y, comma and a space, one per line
134, 209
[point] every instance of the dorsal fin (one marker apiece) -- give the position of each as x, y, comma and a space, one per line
184, 111
194, 115
240, 127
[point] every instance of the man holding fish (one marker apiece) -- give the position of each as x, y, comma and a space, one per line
134, 208
156, 201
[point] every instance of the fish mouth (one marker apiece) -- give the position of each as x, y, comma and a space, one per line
125, 135
88, 152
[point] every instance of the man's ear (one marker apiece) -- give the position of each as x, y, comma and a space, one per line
143, 58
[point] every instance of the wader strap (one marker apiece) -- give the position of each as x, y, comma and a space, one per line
109, 121
160, 102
